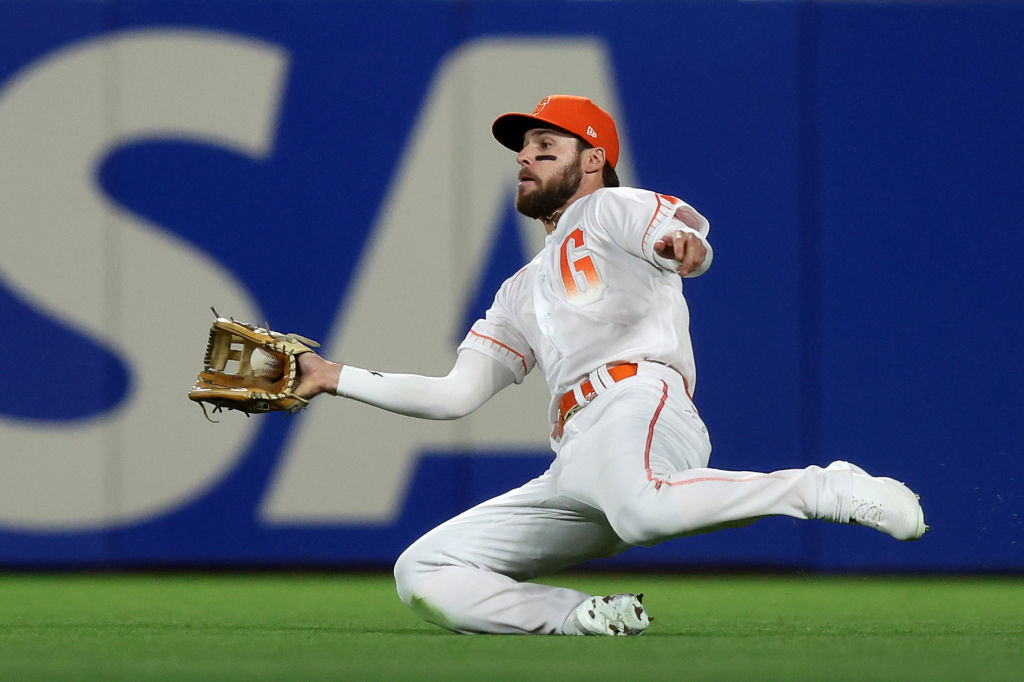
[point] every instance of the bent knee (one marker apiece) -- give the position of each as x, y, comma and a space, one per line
410, 570
417, 572
424, 587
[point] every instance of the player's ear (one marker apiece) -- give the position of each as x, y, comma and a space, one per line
594, 160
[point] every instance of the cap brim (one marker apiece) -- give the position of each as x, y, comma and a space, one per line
509, 129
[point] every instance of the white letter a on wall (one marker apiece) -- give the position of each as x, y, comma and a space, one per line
350, 463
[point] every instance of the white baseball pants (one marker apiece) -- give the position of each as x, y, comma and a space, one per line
631, 469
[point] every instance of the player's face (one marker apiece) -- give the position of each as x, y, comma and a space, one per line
549, 172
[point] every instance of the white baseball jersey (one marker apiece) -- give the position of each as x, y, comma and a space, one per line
597, 293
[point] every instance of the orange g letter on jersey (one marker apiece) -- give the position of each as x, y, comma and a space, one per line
584, 265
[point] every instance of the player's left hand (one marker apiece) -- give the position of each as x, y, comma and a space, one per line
684, 247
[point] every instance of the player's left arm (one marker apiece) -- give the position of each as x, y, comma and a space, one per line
663, 230
684, 249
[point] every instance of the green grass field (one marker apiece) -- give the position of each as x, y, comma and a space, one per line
353, 627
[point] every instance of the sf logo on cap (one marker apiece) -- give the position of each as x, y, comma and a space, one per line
540, 105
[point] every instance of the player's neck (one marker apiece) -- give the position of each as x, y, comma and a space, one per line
551, 221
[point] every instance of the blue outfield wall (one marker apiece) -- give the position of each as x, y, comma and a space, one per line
861, 164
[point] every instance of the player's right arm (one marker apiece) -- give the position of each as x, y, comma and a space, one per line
493, 355
471, 382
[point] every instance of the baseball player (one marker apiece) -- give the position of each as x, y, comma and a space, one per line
600, 311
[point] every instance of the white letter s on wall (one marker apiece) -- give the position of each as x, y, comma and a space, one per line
130, 286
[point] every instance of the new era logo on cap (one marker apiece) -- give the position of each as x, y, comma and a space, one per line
574, 114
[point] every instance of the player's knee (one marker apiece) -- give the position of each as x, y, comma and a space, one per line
421, 585
409, 573
416, 574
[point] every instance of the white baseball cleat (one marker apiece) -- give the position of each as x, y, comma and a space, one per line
885, 504
617, 616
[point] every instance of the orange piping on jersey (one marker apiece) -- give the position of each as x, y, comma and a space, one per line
650, 437
519, 355
519, 272
658, 482
664, 202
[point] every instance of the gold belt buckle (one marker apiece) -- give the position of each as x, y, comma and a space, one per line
573, 410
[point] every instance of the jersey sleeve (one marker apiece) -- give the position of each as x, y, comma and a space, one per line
471, 382
636, 219
497, 336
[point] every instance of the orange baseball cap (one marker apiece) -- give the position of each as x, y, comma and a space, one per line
573, 114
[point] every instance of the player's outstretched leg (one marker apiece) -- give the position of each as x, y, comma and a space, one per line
881, 503
639, 453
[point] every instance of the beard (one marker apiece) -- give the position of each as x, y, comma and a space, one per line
548, 198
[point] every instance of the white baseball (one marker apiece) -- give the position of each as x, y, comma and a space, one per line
264, 364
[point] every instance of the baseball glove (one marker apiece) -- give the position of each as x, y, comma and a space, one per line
250, 369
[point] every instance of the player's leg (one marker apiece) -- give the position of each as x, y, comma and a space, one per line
639, 452
467, 574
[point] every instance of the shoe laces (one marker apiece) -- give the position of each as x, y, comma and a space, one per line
866, 512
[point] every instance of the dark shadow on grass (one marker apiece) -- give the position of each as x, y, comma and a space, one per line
201, 629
